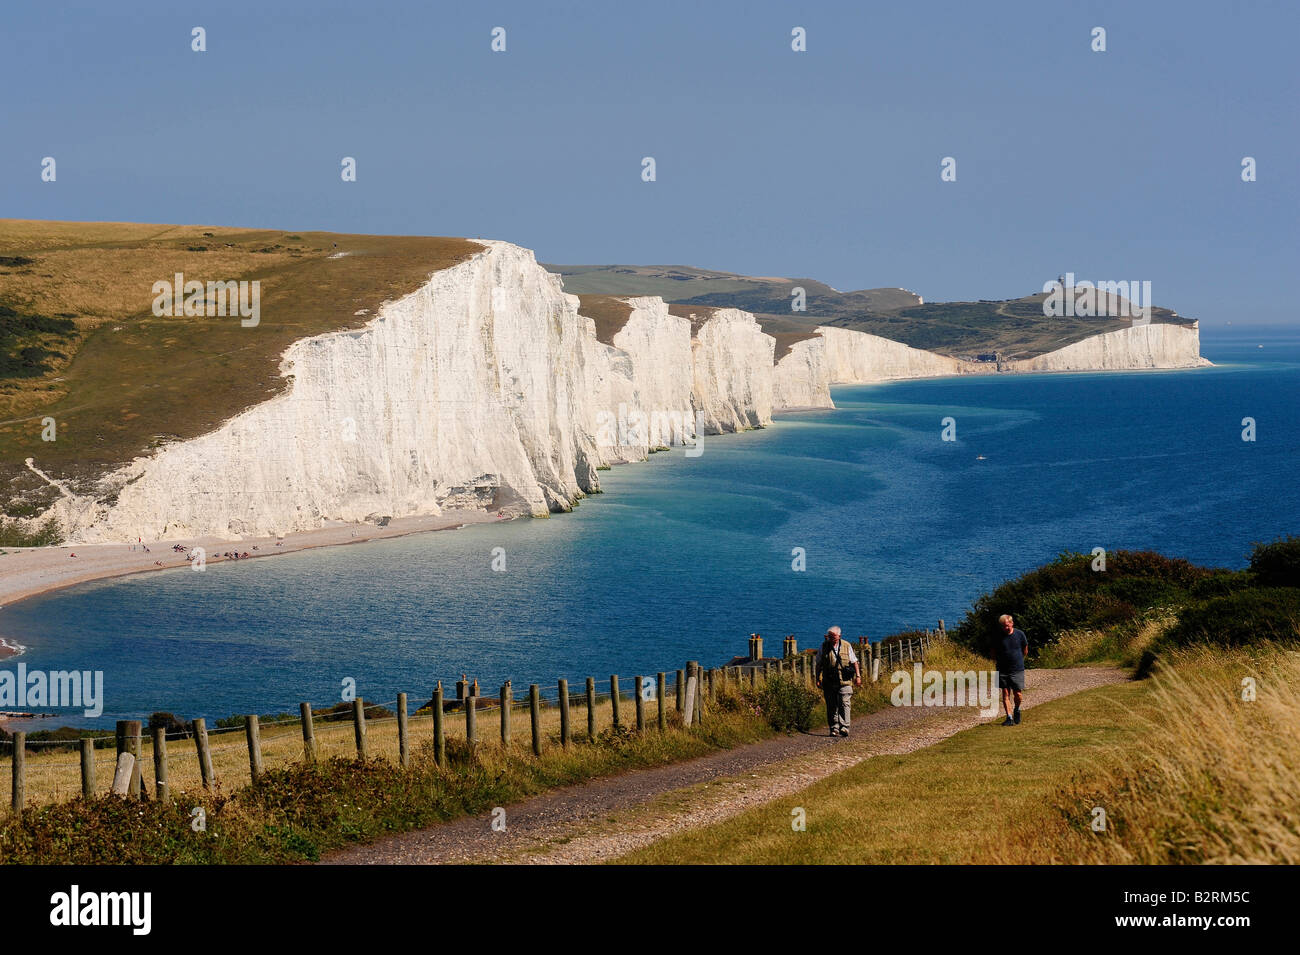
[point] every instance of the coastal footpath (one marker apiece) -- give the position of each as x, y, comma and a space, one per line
487, 388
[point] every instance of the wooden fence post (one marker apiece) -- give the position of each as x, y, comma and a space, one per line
87, 767
122, 775
161, 789
403, 742
563, 690
254, 733
661, 689
128, 741
875, 663
507, 703
591, 709
308, 734
359, 727
688, 714
535, 711
439, 733
19, 768
613, 701
681, 690
471, 720
699, 695
204, 751
638, 686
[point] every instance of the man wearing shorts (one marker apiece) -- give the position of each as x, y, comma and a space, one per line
1010, 648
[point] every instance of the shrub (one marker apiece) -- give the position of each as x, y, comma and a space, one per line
1241, 619
171, 724
787, 704
13, 535
1068, 594
1221, 583
1277, 564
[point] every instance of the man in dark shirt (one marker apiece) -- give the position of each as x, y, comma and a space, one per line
1010, 649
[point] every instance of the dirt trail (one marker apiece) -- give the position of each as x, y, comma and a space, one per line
605, 818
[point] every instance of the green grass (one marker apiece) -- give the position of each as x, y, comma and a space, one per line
942, 804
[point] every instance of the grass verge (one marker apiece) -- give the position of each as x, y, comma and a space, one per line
1185, 769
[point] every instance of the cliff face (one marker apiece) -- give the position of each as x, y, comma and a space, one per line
732, 362
473, 390
487, 388
855, 357
802, 378
1141, 346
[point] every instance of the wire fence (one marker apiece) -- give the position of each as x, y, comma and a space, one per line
167, 762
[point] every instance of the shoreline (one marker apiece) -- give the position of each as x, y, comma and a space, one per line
27, 572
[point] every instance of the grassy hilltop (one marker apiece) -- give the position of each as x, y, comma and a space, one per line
1016, 327
79, 341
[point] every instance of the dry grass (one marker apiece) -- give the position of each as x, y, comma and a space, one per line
133, 380
609, 313
54, 773
1207, 777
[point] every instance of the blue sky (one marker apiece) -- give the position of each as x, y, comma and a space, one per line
1117, 165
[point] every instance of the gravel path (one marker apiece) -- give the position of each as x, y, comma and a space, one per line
607, 817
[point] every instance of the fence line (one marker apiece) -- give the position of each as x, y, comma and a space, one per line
152, 764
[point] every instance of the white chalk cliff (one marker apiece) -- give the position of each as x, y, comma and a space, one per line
1139, 346
487, 388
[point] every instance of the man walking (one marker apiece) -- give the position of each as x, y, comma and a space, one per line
837, 674
1010, 651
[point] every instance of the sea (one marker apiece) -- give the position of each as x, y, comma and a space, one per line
891, 512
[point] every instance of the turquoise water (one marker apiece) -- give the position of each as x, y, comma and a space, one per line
683, 557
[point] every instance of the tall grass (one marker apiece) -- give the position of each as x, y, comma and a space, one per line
1211, 778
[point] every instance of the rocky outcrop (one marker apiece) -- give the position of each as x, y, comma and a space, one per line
487, 387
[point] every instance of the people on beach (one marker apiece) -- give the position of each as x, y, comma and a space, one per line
837, 672
1010, 650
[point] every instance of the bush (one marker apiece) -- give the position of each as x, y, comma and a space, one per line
787, 704
1068, 595
1221, 583
1277, 564
1241, 619
173, 726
